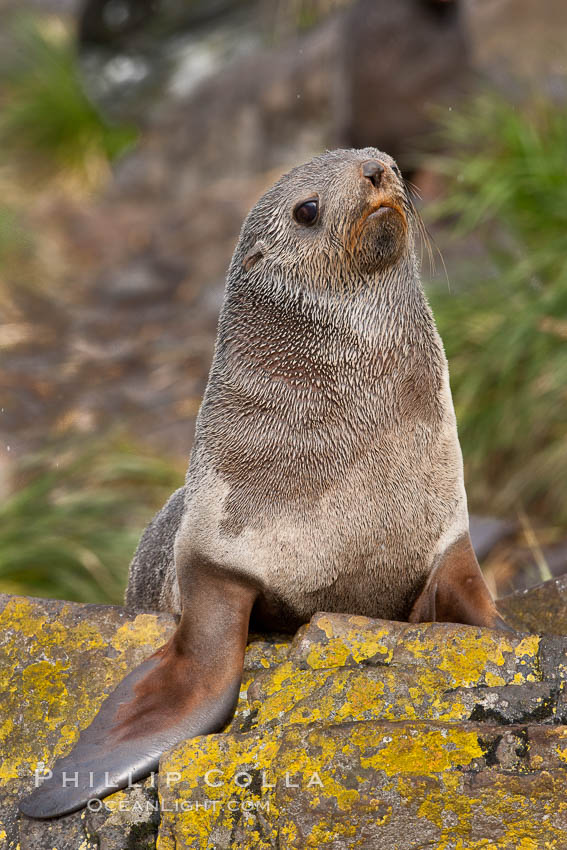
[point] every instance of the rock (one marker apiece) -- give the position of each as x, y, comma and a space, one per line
542, 608
376, 734
356, 733
58, 660
368, 785
496, 30
143, 279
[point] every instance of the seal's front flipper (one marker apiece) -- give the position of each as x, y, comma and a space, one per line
456, 591
188, 687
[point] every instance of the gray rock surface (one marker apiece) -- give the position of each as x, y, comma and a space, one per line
449, 736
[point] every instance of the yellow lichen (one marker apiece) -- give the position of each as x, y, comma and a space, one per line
413, 750
54, 672
354, 643
211, 769
528, 646
474, 657
144, 629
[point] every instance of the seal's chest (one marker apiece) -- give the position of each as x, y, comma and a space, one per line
335, 554
372, 584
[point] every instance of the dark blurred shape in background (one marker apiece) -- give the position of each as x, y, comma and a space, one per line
134, 137
400, 59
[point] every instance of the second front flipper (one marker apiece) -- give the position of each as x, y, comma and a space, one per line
188, 687
456, 592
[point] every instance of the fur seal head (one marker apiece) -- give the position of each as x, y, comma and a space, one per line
343, 215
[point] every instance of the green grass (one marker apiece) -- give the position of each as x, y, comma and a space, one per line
71, 527
505, 329
47, 123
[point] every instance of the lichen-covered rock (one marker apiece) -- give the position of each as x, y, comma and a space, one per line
396, 671
368, 785
377, 734
58, 661
357, 733
538, 609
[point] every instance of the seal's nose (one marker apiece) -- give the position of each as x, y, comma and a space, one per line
373, 170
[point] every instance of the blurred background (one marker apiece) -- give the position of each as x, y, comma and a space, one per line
134, 137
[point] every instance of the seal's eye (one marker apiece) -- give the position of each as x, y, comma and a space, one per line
396, 170
306, 213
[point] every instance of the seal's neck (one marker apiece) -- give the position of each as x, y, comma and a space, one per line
291, 328
304, 383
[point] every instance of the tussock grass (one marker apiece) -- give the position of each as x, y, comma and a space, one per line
505, 329
69, 530
47, 123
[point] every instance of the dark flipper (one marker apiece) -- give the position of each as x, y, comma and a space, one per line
456, 591
188, 687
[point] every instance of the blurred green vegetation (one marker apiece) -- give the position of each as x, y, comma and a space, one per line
47, 123
70, 529
505, 329
76, 511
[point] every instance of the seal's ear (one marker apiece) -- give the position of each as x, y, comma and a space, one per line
456, 591
254, 255
188, 687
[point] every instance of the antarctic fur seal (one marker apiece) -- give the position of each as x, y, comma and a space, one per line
326, 472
